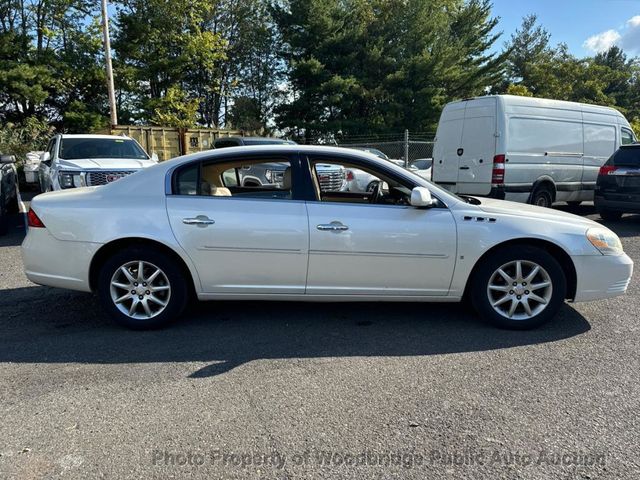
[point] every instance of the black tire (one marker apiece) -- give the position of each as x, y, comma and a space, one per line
610, 215
485, 271
179, 292
542, 196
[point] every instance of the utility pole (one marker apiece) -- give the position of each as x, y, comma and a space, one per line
107, 56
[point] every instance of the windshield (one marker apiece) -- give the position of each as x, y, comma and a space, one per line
78, 148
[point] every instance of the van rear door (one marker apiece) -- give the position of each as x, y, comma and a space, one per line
448, 142
478, 147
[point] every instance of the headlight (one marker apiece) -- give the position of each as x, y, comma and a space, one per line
605, 241
70, 179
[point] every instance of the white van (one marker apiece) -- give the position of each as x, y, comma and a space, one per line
525, 149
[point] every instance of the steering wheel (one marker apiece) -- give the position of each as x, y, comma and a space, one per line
376, 193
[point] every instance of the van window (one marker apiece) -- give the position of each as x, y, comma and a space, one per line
599, 140
537, 135
627, 136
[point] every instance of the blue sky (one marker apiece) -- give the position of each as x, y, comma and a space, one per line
585, 26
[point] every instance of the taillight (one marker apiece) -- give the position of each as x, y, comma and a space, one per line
497, 174
33, 221
607, 170
350, 176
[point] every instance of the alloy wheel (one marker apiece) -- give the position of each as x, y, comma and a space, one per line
520, 290
140, 290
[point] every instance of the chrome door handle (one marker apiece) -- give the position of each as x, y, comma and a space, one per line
332, 227
200, 220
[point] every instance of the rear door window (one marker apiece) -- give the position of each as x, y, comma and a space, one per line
627, 157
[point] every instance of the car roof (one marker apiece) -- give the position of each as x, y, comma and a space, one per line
272, 139
93, 135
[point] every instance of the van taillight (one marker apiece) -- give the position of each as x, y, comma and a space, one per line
497, 174
607, 170
33, 221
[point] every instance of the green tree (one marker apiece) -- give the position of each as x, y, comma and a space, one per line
175, 109
372, 65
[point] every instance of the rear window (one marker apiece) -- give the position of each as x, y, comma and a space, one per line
78, 148
628, 157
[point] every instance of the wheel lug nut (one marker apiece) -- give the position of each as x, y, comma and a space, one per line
524, 284
515, 284
140, 297
519, 297
510, 292
144, 284
133, 292
526, 292
148, 292
135, 284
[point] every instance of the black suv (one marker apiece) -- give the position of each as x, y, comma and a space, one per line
8, 190
618, 184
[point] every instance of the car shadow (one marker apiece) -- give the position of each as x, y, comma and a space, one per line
47, 325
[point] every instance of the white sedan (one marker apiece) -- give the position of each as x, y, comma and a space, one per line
187, 228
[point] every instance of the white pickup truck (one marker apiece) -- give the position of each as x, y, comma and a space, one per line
88, 160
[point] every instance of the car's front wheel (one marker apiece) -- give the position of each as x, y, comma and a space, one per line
142, 288
519, 287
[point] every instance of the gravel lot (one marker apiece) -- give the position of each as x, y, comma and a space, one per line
276, 390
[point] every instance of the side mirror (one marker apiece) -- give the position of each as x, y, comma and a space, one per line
154, 157
45, 157
421, 197
7, 159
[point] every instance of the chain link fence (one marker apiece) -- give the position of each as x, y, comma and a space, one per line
406, 146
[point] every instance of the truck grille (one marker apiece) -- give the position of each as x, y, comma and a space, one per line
102, 178
331, 181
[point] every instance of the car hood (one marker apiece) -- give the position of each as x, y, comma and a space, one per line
502, 207
105, 163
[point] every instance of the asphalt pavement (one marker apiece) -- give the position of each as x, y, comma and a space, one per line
293, 390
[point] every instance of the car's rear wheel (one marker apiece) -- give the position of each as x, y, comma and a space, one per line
610, 215
542, 196
142, 289
518, 288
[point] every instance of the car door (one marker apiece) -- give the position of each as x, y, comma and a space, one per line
448, 146
242, 240
478, 147
44, 170
377, 249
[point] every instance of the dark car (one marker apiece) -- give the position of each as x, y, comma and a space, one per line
618, 184
224, 142
8, 189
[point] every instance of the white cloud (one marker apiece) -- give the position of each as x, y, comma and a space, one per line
627, 37
602, 41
